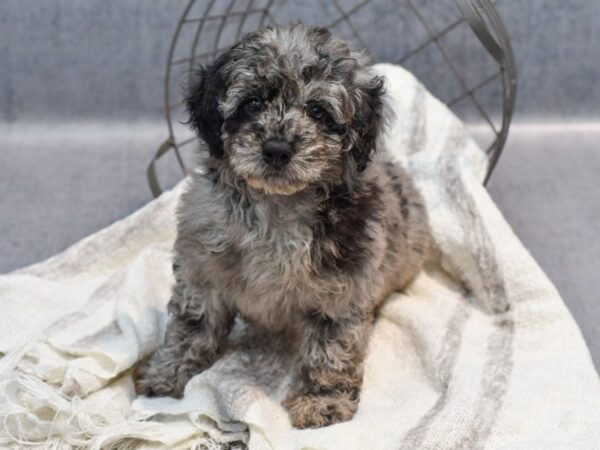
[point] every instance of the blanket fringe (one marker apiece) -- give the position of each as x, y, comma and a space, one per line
34, 413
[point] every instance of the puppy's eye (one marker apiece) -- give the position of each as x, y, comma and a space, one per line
253, 105
317, 112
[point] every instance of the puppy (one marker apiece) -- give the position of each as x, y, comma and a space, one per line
290, 225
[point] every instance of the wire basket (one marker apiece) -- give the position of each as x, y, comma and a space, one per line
428, 37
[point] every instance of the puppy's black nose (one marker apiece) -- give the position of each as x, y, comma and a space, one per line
276, 152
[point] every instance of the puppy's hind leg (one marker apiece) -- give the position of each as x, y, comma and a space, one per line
196, 335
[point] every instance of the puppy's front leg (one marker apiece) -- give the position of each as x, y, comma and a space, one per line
196, 334
331, 370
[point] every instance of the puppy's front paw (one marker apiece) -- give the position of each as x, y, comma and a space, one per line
315, 411
156, 382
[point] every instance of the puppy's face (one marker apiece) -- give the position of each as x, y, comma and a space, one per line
288, 107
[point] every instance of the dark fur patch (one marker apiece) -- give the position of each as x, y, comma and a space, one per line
341, 242
241, 117
202, 101
399, 190
193, 322
325, 324
268, 90
307, 73
327, 120
367, 122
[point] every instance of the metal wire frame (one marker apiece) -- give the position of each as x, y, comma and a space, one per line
480, 15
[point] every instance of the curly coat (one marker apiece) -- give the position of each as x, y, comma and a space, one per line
304, 242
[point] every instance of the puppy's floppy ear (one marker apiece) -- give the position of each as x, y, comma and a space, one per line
205, 87
367, 121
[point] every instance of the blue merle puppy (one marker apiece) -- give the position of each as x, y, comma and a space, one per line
299, 221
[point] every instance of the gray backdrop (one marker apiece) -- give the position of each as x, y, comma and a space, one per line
85, 59
81, 85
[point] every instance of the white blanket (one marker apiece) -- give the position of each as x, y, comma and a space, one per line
480, 350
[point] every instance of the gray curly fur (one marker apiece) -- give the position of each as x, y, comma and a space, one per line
307, 251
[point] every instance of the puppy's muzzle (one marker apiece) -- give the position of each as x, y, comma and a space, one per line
276, 152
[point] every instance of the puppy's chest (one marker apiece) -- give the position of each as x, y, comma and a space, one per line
276, 255
250, 239
272, 270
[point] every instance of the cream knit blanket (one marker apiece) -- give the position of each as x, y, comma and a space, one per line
479, 352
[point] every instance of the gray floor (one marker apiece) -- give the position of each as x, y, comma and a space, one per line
61, 183
547, 185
